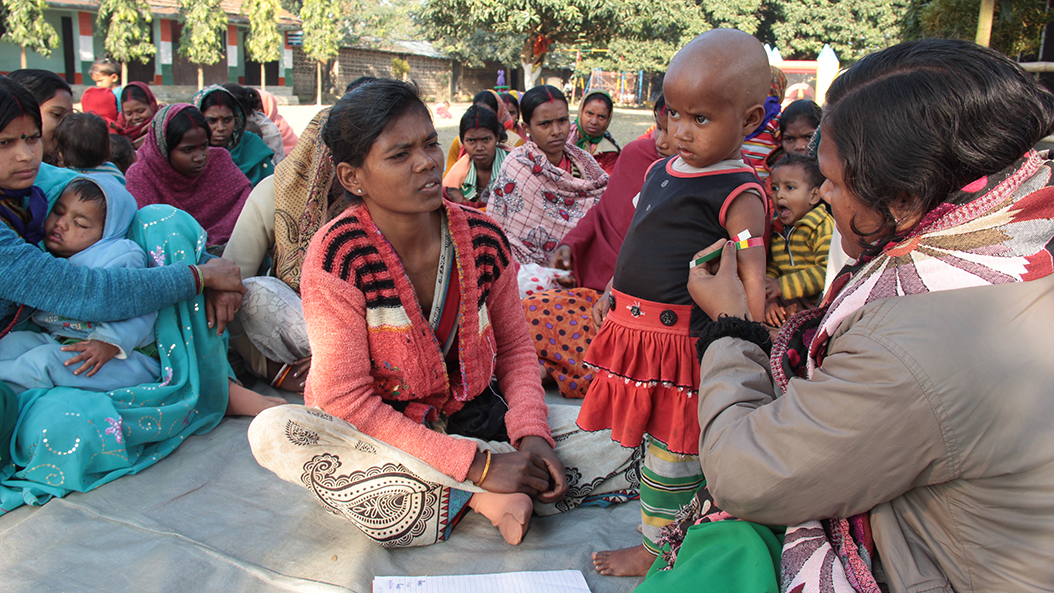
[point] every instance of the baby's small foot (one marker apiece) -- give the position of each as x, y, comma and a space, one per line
510, 513
627, 562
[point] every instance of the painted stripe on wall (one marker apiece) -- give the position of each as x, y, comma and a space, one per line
165, 47
85, 43
232, 46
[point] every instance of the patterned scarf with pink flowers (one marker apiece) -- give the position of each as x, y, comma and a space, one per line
1002, 232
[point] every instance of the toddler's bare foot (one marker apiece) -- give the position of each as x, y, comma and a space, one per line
243, 402
627, 562
510, 513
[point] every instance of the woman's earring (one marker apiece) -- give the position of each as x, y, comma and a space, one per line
360, 191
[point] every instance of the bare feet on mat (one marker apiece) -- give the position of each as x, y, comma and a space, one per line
243, 402
627, 562
510, 513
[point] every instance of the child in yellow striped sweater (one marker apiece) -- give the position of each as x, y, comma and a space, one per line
801, 239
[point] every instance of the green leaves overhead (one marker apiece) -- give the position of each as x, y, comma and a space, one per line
204, 31
323, 29
1017, 28
264, 43
26, 26
127, 27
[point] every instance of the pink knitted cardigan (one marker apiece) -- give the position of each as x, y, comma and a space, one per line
370, 340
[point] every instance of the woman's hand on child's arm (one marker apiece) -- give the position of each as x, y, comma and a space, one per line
557, 478
93, 353
719, 292
600, 308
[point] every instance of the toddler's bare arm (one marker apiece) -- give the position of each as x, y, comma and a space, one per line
747, 212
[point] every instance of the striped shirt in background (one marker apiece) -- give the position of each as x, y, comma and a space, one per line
798, 257
758, 148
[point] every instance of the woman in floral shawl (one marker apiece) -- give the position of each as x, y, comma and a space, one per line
908, 403
547, 185
226, 118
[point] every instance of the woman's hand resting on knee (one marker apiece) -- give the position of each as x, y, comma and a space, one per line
534, 470
223, 291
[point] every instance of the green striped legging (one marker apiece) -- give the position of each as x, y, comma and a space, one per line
668, 482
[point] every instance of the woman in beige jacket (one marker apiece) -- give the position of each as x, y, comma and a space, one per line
914, 406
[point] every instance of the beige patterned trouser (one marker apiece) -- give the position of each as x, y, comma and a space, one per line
398, 500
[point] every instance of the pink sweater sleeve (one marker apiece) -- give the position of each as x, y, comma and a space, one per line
517, 363
340, 381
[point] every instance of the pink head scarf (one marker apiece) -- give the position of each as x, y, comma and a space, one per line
214, 198
270, 109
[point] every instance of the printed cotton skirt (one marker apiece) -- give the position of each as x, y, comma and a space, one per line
646, 376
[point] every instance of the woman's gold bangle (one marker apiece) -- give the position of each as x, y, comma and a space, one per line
486, 468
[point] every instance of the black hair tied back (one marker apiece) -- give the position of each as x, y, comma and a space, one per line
918, 121
361, 115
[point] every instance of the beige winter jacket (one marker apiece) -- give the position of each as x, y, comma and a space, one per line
935, 412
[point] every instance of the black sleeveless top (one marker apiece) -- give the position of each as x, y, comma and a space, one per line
677, 215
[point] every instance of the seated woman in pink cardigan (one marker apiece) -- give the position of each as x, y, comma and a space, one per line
412, 309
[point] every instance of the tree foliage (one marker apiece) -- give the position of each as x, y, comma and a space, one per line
264, 43
481, 45
1017, 28
127, 26
853, 29
386, 19
26, 26
535, 24
323, 27
204, 31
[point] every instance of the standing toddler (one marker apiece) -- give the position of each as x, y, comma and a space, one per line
647, 374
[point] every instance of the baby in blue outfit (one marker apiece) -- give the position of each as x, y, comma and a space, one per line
88, 226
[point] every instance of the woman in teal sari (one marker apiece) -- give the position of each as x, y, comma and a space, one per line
226, 119
68, 440
56, 441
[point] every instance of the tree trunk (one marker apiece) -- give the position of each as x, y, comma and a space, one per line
531, 73
263, 77
984, 22
318, 89
24, 57
124, 74
201, 78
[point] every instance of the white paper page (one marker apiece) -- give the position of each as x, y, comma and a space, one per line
553, 581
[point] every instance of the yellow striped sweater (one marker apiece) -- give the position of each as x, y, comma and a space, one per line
798, 258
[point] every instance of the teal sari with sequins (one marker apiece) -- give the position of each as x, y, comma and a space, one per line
68, 440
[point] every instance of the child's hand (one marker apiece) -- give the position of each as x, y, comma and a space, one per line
94, 354
600, 309
775, 314
772, 290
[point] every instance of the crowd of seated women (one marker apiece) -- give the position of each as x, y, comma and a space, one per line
869, 397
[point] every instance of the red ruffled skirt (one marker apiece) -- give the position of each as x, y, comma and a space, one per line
647, 376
